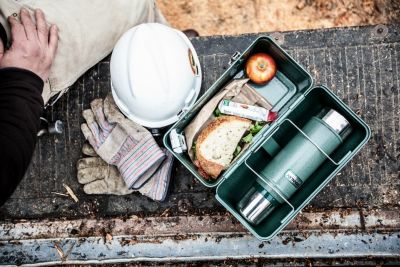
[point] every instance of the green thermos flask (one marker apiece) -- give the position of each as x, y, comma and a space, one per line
294, 164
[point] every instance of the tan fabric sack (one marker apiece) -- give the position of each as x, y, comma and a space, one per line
238, 91
88, 31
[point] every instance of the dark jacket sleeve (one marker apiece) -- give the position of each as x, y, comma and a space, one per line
21, 106
3, 36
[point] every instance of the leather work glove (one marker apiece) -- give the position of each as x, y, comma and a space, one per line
121, 142
99, 177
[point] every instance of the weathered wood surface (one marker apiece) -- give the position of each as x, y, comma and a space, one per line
358, 64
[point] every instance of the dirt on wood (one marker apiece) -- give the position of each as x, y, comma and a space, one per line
218, 17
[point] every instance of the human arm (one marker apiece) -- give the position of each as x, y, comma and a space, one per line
21, 106
23, 70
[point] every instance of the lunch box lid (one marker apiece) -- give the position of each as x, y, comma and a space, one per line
285, 63
297, 93
294, 94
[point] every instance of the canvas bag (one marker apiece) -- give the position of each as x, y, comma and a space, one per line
88, 31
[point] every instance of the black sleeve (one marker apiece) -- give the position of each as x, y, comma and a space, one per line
3, 36
21, 106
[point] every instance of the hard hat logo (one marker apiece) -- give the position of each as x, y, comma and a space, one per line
150, 78
193, 64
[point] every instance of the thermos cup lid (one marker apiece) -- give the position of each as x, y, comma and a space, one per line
336, 121
256, 204
255, 207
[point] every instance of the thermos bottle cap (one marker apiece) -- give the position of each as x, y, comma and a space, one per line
254, 206
336, 121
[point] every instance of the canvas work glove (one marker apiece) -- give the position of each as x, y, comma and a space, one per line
157, 186
99, 177
121, 142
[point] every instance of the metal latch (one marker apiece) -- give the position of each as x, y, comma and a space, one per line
234, 57
56, 127
155, 132
178, 142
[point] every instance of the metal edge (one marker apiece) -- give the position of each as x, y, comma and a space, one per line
202, 247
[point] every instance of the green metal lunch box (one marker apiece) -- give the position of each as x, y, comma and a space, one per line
294, 97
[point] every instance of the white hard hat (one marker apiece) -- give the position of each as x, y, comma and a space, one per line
155, 74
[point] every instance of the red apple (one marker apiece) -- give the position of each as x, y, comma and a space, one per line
260, 68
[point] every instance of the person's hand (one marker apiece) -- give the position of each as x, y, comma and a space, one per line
33, 46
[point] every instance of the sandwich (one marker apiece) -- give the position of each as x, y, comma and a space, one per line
216, 144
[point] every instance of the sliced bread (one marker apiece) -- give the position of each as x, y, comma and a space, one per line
217, 142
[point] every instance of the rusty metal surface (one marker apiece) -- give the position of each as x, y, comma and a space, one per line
360, 206
372, 221
338, 234
202, 247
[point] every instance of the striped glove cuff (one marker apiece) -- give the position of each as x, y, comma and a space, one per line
157, 187
136, 158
